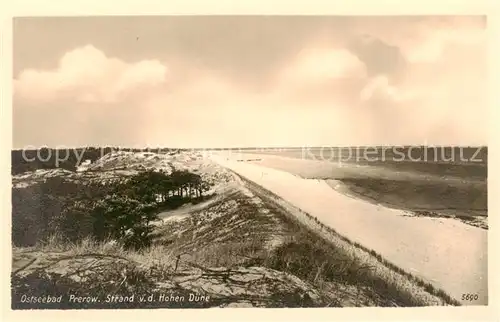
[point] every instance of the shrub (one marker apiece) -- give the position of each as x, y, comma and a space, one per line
122, 210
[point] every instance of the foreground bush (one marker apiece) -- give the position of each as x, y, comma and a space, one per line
122, 210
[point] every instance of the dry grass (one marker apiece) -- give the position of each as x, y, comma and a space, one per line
223, 236
328, 261
243, 253
156, 255
386, 279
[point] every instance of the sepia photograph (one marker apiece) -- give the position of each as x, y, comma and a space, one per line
249, 161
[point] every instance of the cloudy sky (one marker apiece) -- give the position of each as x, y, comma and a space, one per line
249, 81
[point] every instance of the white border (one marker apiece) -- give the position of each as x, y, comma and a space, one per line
249, 7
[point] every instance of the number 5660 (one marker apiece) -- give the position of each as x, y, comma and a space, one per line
470, 297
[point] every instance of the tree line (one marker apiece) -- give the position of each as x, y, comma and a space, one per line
123, 210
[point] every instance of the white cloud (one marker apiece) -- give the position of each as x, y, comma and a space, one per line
432, 41
86, 74
379, 87
322, 95
316, 65
435, 104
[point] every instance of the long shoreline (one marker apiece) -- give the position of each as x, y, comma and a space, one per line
419, 246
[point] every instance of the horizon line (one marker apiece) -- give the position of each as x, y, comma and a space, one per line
146, 147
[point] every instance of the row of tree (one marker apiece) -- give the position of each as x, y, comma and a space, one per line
160, 186
121, 211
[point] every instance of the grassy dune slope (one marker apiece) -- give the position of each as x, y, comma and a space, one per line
384, 277
241, 249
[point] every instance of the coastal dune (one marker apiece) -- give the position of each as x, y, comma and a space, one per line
444, 252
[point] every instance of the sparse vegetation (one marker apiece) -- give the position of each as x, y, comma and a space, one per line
97, 270
122, 210
99, 239
45, 158
387, 280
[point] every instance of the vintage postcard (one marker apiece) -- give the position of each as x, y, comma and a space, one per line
249, 161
